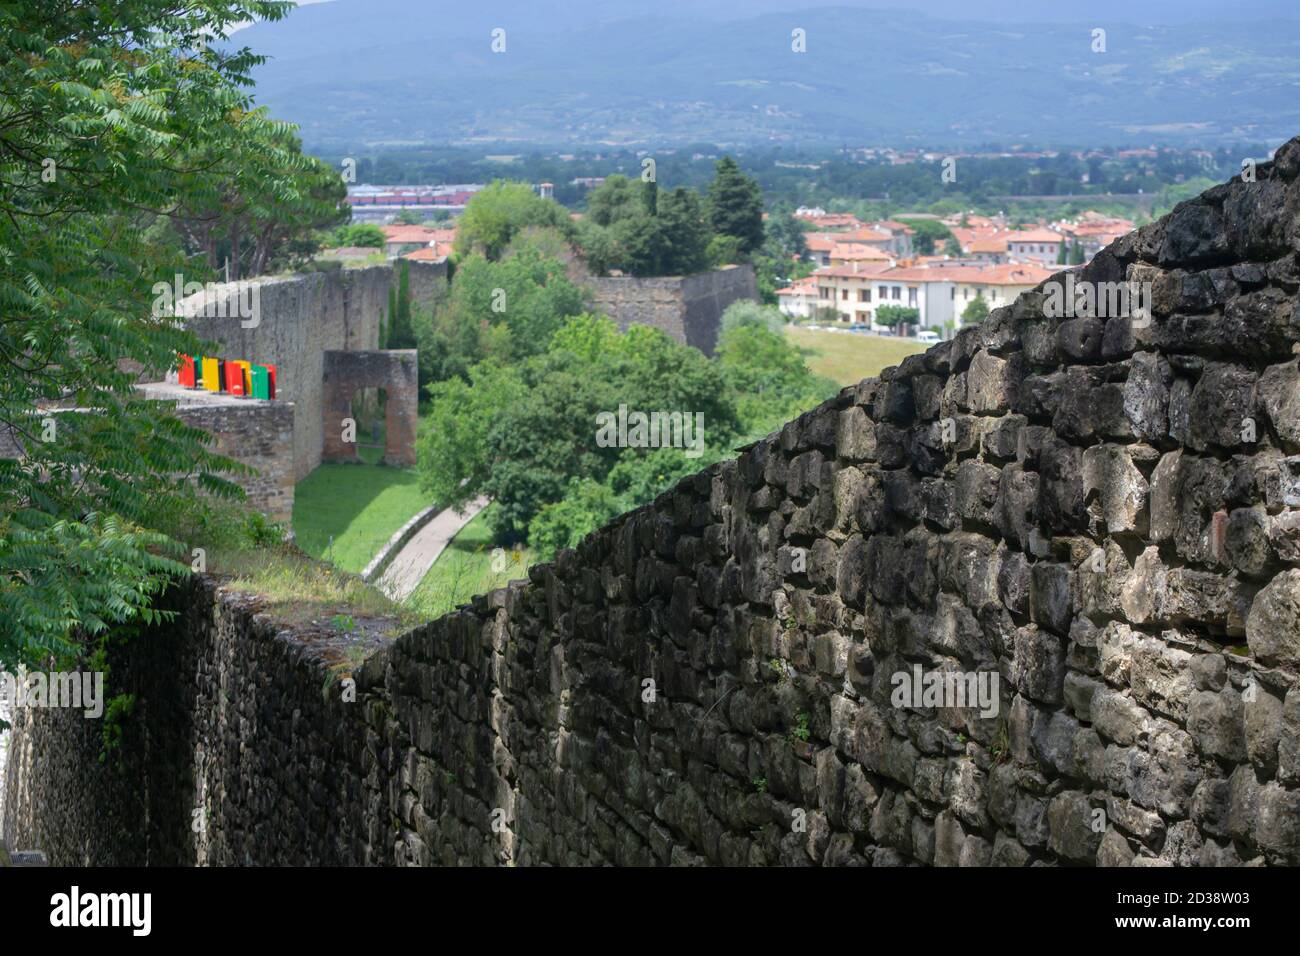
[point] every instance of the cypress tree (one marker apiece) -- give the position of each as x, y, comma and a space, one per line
736, 205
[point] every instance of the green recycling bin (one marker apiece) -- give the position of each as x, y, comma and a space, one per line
261, 382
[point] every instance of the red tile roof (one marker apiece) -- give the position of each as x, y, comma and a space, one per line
1034, 235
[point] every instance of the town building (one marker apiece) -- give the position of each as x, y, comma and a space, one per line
799, 299
1036, 245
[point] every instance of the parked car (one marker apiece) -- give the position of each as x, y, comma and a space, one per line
927, 335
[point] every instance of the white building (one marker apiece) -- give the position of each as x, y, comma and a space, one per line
799, 299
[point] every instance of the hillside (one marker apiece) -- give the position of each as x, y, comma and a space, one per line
392, 71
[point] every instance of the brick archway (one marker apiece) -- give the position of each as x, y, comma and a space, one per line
395, 371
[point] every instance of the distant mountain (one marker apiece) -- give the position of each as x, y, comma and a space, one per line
354, 73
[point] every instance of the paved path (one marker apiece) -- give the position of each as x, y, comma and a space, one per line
413, 562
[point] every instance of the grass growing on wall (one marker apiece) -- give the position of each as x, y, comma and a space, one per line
848, 357
361, 506
464, 569
298, 590
248, 554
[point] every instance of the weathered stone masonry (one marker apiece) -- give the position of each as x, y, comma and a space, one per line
688, 308
953, 514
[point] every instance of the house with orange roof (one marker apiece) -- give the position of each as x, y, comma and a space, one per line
998, 285
1037, 245
425, 254
399, 240
846, 290
828, 220
844, 253
1094, 232
929, 288
990, 249
820, 247
901, 235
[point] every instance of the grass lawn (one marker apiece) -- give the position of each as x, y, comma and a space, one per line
360, 506
465, 569
848, 357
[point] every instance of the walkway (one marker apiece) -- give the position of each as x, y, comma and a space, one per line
413, 562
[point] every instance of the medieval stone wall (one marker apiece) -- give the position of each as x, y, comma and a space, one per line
689, 308
1098, 519
259, 434
347, 373
426, 281
300, 317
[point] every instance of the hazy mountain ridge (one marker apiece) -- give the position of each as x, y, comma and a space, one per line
868, 76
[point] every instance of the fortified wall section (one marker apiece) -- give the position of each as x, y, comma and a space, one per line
394, 370
1097, 519
425, 281
258, 434
299, 318
689, 308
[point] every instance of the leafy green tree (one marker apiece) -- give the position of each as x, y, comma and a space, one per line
253, 202
896, 316
768, 376
615, 199
672, 242
400, 333
586, 505
360, 234
788, 233
952, 247
723, 250
600, 248
104, 106
1076, 253
453, 447
504, 311
745, 312
496, 213
537, 442
774, 268
976, 311
541, 241
927, 234
736, 205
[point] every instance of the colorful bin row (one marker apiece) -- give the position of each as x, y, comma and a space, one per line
232, 376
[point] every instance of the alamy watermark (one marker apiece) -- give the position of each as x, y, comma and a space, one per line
79, 690
231, 300
651, 430
1083, 299
946, 689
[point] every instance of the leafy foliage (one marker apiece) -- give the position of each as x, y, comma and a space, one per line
251, 202
736, 205
495, 214
111, 113
502, 311
976, 311
928, 235
893, 315
526, 435
360, 234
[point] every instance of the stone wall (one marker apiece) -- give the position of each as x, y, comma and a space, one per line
689, 308
394, 370
257, 433
426, 280
234, 754
302, 316
1103, 515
